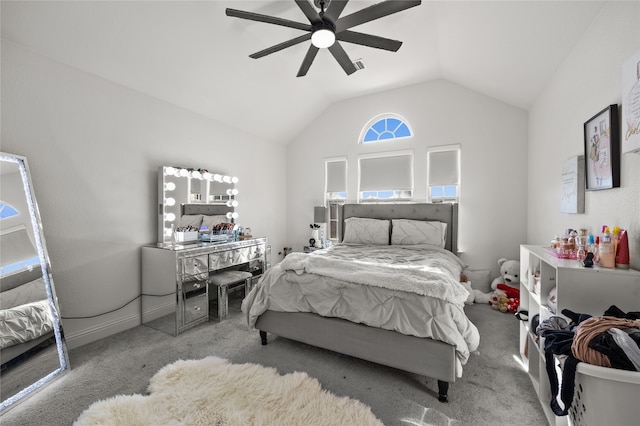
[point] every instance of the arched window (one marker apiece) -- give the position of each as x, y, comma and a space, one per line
384, 128
7, 210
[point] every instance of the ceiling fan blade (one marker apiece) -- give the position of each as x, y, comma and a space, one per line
308, 10
343, 59
374, 12
307, 61
267, 19
369, 40
335, 9
280, 46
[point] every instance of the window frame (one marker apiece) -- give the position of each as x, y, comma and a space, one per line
375, 120
386, 154
444, 198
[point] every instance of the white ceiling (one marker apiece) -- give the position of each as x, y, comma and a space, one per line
191, 54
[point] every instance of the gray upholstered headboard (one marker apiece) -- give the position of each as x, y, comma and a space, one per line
443, 212
206, 209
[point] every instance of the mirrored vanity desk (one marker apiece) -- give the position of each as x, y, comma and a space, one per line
176, 278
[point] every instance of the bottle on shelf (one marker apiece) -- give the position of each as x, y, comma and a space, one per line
606, 250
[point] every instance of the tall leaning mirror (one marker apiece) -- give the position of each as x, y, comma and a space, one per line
32, 348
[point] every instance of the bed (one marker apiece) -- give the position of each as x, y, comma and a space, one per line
402, 306
25, 315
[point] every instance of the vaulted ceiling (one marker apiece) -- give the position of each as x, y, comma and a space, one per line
189, 53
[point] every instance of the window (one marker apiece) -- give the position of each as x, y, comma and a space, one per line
384, 128
443, 166
335, 173
7, 210
385, 177
335, 194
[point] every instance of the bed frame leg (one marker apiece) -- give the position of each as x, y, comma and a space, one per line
263, 337
443, 389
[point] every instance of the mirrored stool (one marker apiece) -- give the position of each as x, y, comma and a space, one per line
229, 281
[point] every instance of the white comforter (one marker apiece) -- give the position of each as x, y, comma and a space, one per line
414, 290
23, 323
24, 314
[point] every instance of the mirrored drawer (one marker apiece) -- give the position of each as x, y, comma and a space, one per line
235, 257
228, 258
190, 286
195, 268
196, 306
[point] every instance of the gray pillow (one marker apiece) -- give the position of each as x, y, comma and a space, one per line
411, 232
194, 220
360, 230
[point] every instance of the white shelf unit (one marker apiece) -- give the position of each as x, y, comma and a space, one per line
579, 289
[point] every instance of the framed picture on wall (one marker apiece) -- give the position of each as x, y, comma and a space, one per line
572, 194
631, 104
602, 150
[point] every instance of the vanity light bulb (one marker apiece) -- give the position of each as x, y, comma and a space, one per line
170, 217
206, 176
229, 192
229, 204
167, 232
169, 186
229, 215
234, 203
234, 215
234, 191
170, 201
226, 179
217, 178
169, 171
234, 179
184, 172
196, 174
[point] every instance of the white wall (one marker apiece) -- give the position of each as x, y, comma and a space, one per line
493, 139
94, 149
588, 81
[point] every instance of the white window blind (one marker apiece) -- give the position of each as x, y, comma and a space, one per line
16, 246
336, 178
443, 168
386, 173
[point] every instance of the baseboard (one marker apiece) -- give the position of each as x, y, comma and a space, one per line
159, 311
100, 332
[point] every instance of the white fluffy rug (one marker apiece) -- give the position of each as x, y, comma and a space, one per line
212, 391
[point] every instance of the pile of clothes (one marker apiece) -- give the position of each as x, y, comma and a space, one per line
611, 340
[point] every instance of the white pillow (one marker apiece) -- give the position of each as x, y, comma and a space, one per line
211, 221
411, 232
480, 279
360, 230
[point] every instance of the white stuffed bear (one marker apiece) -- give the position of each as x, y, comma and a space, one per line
509, 275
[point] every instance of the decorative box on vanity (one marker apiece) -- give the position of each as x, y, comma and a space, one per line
175, 279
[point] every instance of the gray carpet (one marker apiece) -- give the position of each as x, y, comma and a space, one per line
494, 389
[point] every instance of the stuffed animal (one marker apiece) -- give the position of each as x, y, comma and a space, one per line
467, 285
505, 299
506, 292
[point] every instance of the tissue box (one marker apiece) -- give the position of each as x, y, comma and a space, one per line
186, 236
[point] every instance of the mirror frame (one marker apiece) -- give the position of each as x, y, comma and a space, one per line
47, 279
180, 186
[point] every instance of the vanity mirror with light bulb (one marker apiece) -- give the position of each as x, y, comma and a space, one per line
191, 192
178, 271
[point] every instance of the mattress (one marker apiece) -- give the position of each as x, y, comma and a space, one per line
413, 290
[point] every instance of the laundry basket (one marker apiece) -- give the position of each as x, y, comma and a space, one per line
605, 396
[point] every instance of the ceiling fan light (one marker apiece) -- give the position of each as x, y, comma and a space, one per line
323, 38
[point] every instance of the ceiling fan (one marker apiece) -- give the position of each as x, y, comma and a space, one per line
326, 28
